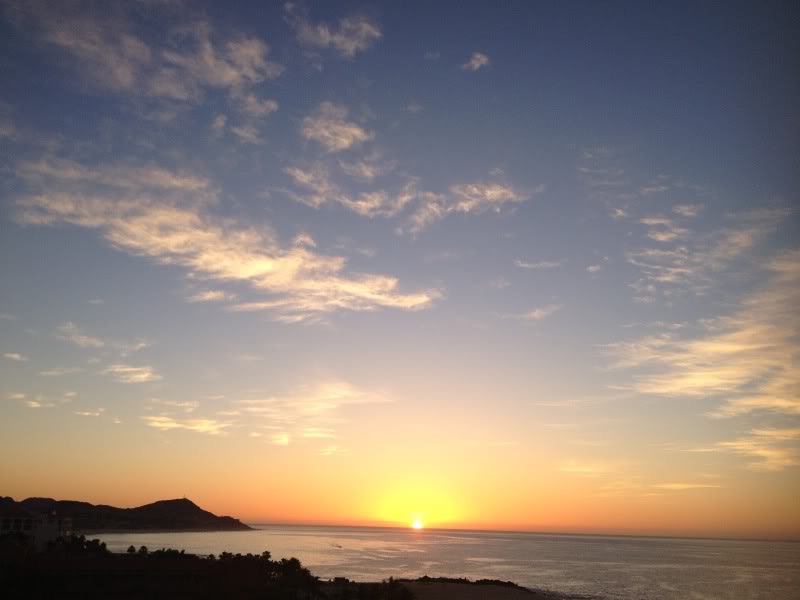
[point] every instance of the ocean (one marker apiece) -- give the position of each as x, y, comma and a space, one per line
576, 566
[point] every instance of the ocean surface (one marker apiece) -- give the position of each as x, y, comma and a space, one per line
619, 568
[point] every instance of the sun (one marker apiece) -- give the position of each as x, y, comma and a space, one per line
417, 524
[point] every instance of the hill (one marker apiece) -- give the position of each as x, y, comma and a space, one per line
176, 515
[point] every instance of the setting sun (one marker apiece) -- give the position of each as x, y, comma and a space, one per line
417, 524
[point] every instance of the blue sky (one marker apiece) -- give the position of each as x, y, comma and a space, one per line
567, 232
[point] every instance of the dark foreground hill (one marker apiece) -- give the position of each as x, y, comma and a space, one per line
81, 569
177, 515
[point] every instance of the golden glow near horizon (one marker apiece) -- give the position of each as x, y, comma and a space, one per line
417, 524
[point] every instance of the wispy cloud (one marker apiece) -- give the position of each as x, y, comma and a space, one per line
329, 127
320, 190
367, 168
684, 260
247, 134
211, 296
466, 198
165, 216
310, 411
685, 486
15, 356
187, 406
208, 426
770, 449
107, 49
90, 413
477, 61
747, 359
663, 229
540, 313
70, 332
59, 371
687, 210
541, 264
129, 374
347, 37
334, 451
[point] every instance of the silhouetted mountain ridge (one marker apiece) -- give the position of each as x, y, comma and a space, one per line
179, 514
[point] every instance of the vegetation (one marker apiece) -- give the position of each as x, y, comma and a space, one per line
77, 567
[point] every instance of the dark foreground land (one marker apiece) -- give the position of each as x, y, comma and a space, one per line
75, 568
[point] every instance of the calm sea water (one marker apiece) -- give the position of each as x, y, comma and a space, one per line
620, 568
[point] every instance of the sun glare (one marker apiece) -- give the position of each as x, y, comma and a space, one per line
417, 524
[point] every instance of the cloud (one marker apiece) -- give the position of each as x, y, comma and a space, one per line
687, 210
59, 371
166, 217
367, 169
748, 359
467, 198
39, 402
349, 36
771, 449
476, 61
208, 426
53, 171
663, 229
187, 406
254, 106
281, 439
177, 70
318, 432
107, 50
8, 131
15, 356
218, 124
90, 413
686, 261
247, 134
128, 374
70, 332
321, 190
685, 486
542, 264
310, 411
594, 268
499, 283
541, 313
211, 296
329, 127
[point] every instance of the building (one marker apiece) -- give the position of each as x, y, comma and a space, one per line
41, 529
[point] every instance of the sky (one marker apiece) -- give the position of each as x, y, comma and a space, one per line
512, 265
